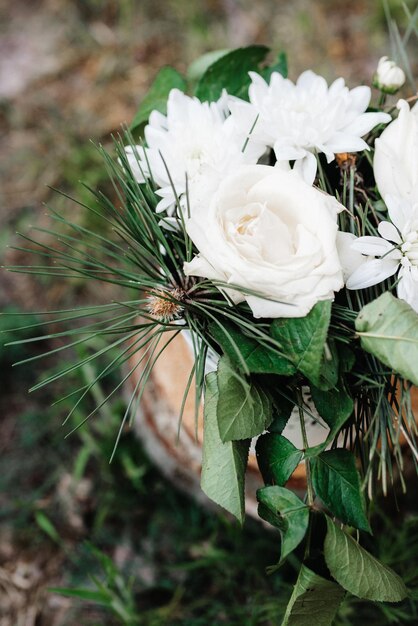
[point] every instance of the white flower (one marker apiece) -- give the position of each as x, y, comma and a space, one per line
299, 120
350, 259
269, 232
395, 162
395, 251
389, 77
194, 139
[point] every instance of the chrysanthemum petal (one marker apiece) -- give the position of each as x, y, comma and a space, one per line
350, 259
371, 273
364, 123
360, 98
389, 232
309, 115
372, 246
407, 288
346, 142
307, 167
288, 153
400, 211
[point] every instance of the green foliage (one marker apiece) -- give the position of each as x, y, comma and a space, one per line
359, 572
303, 339
136, 253
334, 405
314, 601
332, 435
223, 464
328, 375
244, 409
47, 526
10, 350
284, 510
280, 65
202, 63
213, 555
277, 458
283, 404
230, 72
388, 329
337, 483
226, 562
242, 349
156, 99
114, 592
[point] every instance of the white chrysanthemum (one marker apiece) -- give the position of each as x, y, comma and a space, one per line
395, 251
298, 120
395, 162
196, 142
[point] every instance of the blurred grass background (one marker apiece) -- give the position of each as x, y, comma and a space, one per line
71, 72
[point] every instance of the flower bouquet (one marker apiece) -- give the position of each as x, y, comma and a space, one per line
276, 223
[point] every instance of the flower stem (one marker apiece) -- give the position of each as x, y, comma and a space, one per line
305, 445
351, 198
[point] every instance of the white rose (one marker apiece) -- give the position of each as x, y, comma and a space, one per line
269, 232
389, 77
395, 162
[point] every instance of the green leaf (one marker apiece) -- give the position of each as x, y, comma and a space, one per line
47, 526
283, 509
231, 73
358, 571
347, 358
277, 458
280, 66
156, 99
282, 401
328, 375
334, 405
244, 410
258, 358
388, 329
314, 601
303, 339
100, 597
337, 483
223, 464
332, 434
202, 63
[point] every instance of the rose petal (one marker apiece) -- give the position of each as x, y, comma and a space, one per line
267, 308
199, 266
